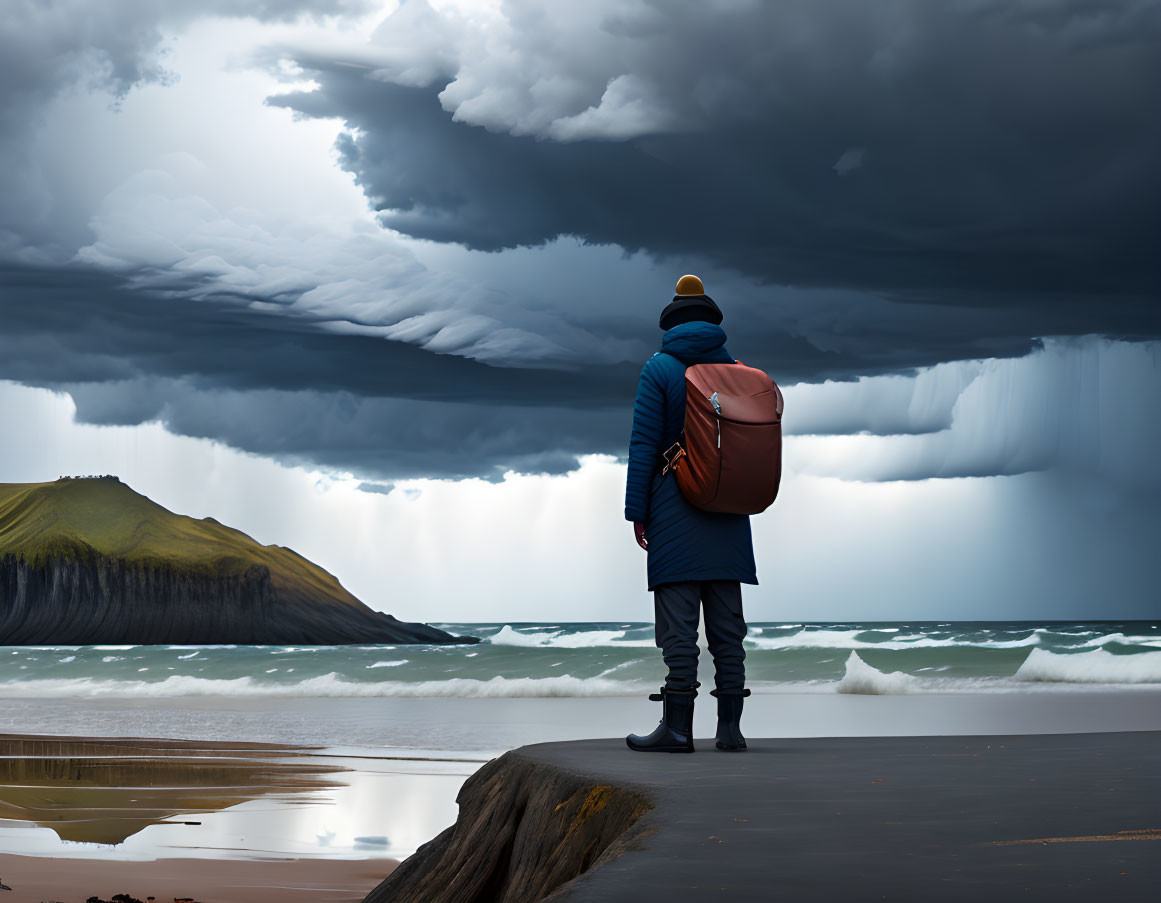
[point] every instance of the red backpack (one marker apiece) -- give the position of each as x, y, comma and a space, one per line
729, 458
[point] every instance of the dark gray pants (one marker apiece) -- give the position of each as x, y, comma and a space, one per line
675, 606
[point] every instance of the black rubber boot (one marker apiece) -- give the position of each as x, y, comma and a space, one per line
674, 733
729, 736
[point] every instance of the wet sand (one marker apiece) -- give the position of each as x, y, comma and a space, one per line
103, 791
37, 879
97, 793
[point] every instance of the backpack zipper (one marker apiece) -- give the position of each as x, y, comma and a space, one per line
713, 399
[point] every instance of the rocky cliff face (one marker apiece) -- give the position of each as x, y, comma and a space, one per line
525, 829
99, 599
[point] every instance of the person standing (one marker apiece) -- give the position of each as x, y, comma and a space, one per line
695, 557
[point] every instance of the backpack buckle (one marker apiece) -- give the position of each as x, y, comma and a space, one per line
671, 461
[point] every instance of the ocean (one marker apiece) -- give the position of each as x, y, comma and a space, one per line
411, 723
595, 659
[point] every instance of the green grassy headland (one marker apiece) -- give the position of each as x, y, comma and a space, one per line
86, 518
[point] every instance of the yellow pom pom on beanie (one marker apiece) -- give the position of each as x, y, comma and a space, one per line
689, 304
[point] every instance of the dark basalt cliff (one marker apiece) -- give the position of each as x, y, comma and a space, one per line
90, 561
104, 600
526, 827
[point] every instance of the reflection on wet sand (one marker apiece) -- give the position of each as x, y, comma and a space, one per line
105, 791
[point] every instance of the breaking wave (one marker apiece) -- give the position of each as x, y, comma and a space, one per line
326, 685
1095, 667
860, 678
849, 639
564, 639
1123, 640
1041, 666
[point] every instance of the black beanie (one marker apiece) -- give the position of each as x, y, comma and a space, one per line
688, 308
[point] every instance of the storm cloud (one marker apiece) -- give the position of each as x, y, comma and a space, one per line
578, 307
1005, 151
868, 190
387, 410
309, 266
282, 387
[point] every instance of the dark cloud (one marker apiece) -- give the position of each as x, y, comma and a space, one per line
869, 188
282, 387
387, 410
100, 329
381, 409
1006, 151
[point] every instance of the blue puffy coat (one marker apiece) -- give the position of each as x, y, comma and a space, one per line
685, 543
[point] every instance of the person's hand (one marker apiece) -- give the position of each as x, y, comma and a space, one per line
639, 532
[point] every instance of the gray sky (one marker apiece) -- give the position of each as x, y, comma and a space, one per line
265, 254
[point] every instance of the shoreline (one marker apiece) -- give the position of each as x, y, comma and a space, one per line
407, 791
478, 729
956, 773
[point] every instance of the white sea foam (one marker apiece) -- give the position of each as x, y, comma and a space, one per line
803, 639
561, 639
507, 636
1122, 639
394, 664
1041, 666
846, 639
863, 679
1097, 666
614, 669
326, 685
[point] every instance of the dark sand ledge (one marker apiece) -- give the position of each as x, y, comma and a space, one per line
1053, 817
